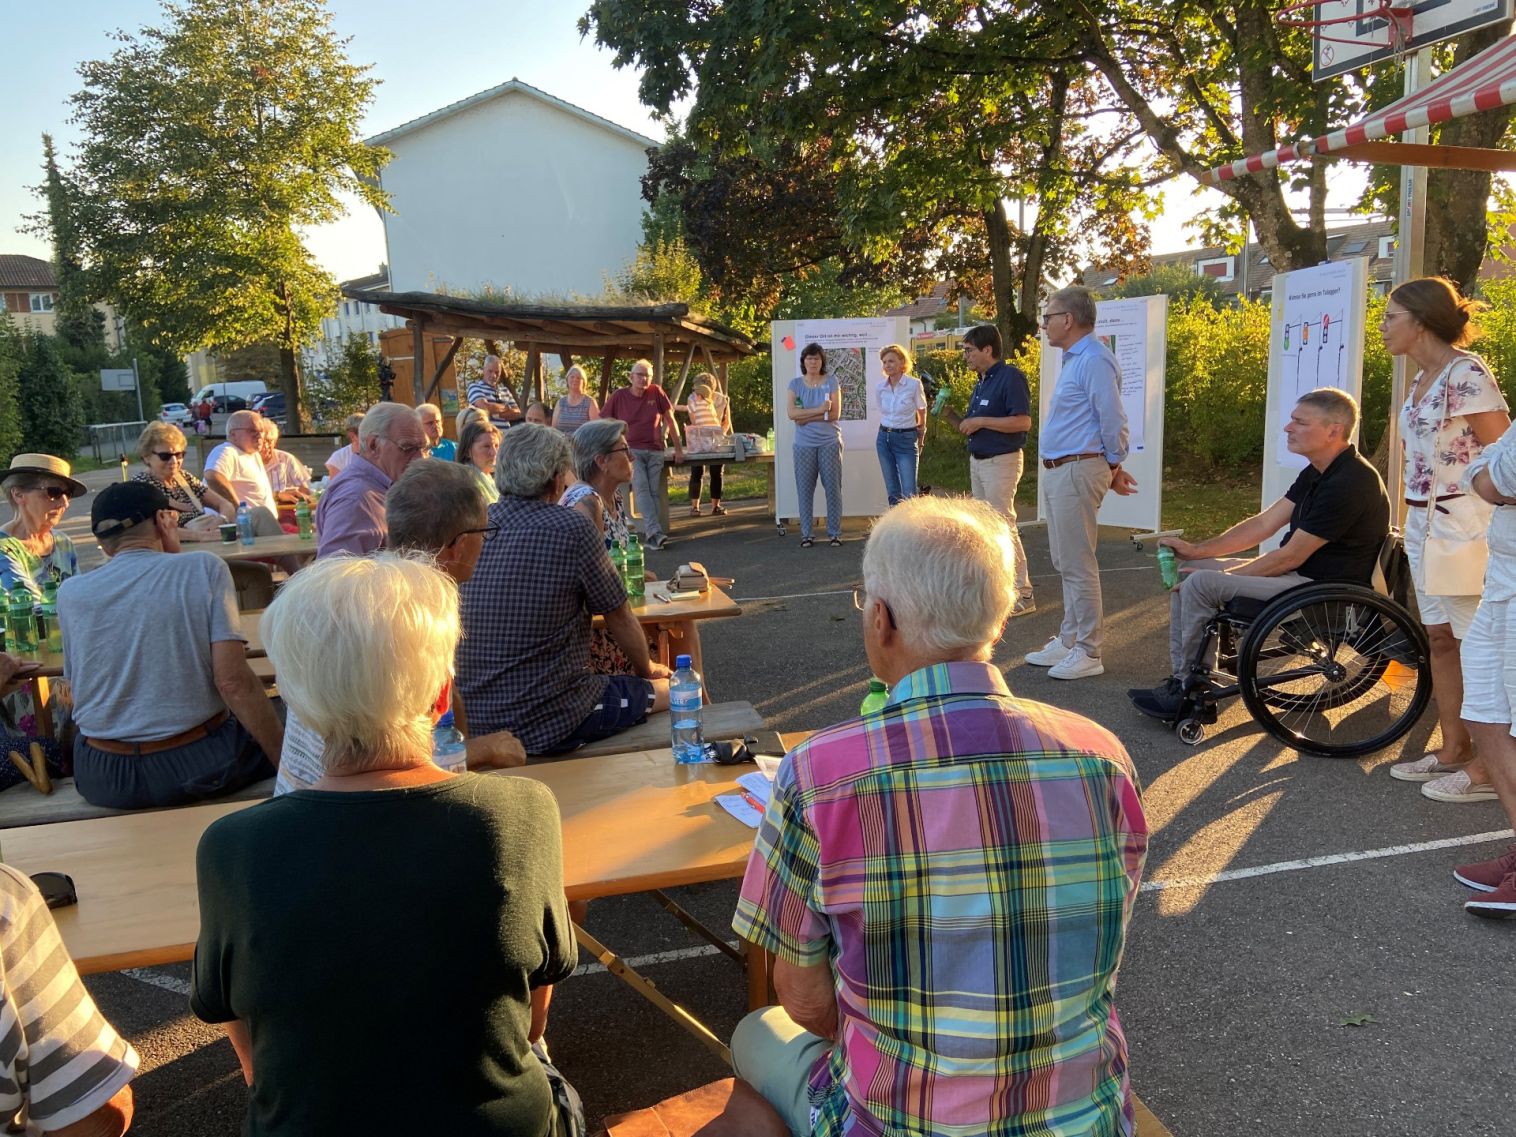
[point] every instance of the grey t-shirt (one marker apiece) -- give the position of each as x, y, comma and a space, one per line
137, 636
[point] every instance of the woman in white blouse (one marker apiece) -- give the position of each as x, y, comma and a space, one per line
902, 423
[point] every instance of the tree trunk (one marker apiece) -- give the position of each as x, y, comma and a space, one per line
289, 368
998, 228
1457, 231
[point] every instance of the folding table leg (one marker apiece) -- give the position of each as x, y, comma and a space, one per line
644, 987
695, 925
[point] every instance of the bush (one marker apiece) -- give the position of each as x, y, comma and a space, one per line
51, 418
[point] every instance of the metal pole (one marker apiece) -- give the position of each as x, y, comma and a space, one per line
137, 384
1410, 253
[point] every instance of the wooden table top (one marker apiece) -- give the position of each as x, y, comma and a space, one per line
656, 608
284, 545
631, 822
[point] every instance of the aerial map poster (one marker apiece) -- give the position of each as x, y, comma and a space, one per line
852, 355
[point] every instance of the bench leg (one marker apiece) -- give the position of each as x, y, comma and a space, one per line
43, 708
619, 968
760, 977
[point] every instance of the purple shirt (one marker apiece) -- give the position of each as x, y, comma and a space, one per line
350, 518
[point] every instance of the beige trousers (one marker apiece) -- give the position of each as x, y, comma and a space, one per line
1073, 493
994, 481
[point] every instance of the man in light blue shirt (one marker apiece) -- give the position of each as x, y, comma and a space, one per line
1082, 445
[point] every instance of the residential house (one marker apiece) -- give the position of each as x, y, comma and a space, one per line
923, 311
513, 189
30, 291
1374, 240
354, 318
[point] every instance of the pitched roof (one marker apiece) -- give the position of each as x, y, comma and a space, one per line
17, 271
380, 279
931, 304
513, 86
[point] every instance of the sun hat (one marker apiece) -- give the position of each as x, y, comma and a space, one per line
52, 467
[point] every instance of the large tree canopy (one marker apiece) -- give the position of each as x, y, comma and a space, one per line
207, 143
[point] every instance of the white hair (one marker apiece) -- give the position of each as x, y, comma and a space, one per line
531, 458
381, 417
947, 569
363, 646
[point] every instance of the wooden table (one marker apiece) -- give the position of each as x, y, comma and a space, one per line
284, 545
723, 458
631, 823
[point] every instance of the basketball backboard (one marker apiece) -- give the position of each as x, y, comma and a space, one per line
1355, 33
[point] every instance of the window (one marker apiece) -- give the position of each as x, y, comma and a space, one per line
1352, 248
42, 301
1222, 268
1379, 287
1265, 295
1386, 248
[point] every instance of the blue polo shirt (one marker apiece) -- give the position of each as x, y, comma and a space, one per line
1001, 391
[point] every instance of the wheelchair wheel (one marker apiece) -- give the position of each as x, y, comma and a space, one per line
1335, 670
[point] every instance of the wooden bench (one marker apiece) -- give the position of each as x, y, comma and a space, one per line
21, 805
721, 721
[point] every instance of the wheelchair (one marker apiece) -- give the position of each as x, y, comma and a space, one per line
1329, 668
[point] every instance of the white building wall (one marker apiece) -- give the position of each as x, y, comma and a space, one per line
513, 193
352, 318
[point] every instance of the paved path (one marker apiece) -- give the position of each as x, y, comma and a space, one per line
1262, 933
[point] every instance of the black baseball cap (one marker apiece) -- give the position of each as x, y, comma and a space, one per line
123, 504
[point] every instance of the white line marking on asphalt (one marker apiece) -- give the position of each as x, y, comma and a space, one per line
1326, 859
640, 961
154, 979
849, 591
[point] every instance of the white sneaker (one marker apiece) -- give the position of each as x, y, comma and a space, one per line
1076, 665
1051, 653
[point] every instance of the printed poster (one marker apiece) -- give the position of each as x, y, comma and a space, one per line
852, 355
1314, 340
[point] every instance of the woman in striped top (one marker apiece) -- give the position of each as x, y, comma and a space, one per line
707, 406
576, 408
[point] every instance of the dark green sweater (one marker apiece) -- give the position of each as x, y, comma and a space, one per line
381, 947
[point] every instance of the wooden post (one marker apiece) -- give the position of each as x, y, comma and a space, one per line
658, 361
684, 375
532, 385
418, 361
721, 379
605, 375
442, 368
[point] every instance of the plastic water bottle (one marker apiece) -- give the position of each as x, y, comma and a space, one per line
636, 571
687, 711
448, 751
126, 469
618, 561
21, 620
1168, 566
879, 694
303, 519
49, 631
245, 523
769, 441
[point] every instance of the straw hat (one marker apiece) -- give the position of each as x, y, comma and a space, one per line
52, 467
703, 386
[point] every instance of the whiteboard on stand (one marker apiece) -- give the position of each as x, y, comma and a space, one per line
1136, 331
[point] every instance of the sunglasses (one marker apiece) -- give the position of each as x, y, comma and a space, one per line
169, 455
53, 492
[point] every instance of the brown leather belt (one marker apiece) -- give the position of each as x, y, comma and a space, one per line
183, 738
1054, 463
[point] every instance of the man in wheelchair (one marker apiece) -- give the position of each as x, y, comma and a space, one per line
1338, 515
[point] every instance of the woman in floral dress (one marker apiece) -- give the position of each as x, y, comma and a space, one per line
1453, 410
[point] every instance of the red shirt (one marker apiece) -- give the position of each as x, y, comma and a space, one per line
647, 418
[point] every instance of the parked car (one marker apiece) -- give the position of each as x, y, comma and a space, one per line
223, 398
270, 404
176, 413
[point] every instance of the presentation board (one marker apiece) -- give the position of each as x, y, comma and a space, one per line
852, 354
1136, 331
1316, 330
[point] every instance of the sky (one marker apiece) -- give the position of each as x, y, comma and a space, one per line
423, 64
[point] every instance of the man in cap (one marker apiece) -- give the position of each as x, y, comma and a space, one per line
168, 710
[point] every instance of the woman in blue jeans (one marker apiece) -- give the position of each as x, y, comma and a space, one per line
815, 406
902, 423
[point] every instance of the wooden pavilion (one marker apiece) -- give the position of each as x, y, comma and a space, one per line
668, 334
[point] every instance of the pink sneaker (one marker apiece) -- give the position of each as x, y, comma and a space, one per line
1499, 904
1486, 876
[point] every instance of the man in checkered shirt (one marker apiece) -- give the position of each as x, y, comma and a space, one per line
946, 882
524, 663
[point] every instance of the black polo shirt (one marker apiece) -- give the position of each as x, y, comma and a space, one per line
1346, 506
1001, 391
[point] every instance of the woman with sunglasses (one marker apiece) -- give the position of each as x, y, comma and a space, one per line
31, 552
201, 509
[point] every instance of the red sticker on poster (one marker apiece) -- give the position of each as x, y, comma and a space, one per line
789, 343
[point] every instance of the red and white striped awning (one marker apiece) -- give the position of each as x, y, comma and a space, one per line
1483, 83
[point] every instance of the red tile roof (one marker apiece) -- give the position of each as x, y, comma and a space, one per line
17, 271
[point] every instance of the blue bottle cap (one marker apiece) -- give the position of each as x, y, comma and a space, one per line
681, 662
446, 720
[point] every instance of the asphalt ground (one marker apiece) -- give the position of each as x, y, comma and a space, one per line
1276, 981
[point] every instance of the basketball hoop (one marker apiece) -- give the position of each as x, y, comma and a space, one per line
1399, 17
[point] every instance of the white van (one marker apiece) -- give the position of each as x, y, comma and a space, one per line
223, 398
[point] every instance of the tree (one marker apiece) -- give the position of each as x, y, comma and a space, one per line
12, 356
1176, 281
349, 385
882, 136
81, 326
207, 144
51, 418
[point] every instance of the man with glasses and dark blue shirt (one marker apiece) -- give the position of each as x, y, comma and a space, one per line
996, 423
350, 518
1082, 443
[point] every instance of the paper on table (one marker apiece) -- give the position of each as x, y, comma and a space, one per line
767, 763
737, 806
757, 783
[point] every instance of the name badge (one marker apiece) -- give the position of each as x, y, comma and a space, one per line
984, 402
